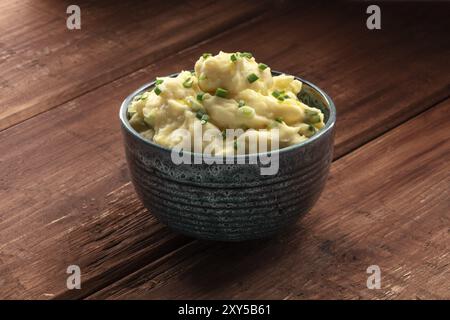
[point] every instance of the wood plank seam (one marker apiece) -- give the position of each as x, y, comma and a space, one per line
98, 257
411, 117
232, 25
190, 241
136, 274
111, 280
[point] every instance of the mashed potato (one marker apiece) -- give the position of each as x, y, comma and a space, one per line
226, 91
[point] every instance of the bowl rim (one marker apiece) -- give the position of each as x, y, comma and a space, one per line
327, 128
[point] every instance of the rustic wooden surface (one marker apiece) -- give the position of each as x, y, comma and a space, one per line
65, 195
115, 40
355, 224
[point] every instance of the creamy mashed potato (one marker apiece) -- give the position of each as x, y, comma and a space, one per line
226, 91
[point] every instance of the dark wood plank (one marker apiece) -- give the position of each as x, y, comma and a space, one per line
66, 197
44, 64
385, 204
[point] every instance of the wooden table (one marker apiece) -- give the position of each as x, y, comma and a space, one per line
65, 192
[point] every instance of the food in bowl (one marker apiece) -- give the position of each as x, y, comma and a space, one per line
234, 201
226, 91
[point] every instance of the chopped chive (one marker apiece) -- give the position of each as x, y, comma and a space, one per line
157, 91
188, 82
233, 57
200, 96
314, 118
262, 66
307, 130
202, 77
159, 81
206, 55
246, 55
279, 119
278, 94
241, 103
311, 131
247, 111
283, 96
310, 112
252, 78
138, 97
204, 119
202, 116
221, 92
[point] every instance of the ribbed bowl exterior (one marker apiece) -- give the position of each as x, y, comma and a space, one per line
232, 202
228, 202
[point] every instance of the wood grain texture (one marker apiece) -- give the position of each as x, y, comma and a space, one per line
65, 192
386, 204
45, 64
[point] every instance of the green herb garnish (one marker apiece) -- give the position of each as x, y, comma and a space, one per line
252, 78
262, 66
200, 96
247, 111
204, 119
221, 92
314, 119
188, 83
278, 94
202, 116
312, 116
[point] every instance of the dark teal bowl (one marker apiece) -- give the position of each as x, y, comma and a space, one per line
232, 202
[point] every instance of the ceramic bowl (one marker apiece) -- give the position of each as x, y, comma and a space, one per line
232, 202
